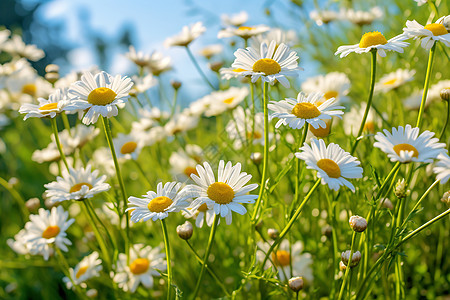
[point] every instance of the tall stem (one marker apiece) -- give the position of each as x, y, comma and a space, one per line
58, 143
446, 121
169, 265
122, 185
65, 268
347, 270
194, 61
427, 84
373, 70
262, 187
205, 257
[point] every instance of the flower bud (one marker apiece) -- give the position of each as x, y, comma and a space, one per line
185, 231
33, 204
296, 283
13, 181
92, 293
400, 189
446, 197
445, 94
52, 68
256, 157
356, 257
327, 230
386, 203
273, 233
175, 84
357, 223
342, 266
52, 77
215, 66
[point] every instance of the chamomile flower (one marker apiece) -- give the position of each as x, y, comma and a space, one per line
429, 34
442, 169
128, 146
186, 36
16, 47
324, 16
157, 206
332, 163
374, 40
142, 84
361, 18
352, 120
310, 109
271, 63
46, 108
48, 228
182, 165
434, 93
394, 80
241, 129
140, 58
99, 95
202, 214
145, 263
182, 122
19, 243
226, 194
444, 20
406, 145
235, 19
211, 50
159, 63
221, 101
87, 268
332, 85
244, 32
278, 35
76, 185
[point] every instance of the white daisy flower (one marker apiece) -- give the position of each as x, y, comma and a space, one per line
235, 19
270, 64
48, 228
421, 2
211, 50
228, 73
375, 40
203, 214
434, 93
140, 58
429, 33
244, 32
143, 84
278, 35
221, 101
46, 108
19, 243
361, 18
16, 47
352, 120
145, 263
287, 256
128, 146
226, 194
87, 268
79, 135
394, 80
324, 16
49, 154
332, 85
442, 169
102, 160
76, 185
186, 36
99, 95
4, 36
180, 123
157, 206
182, 165
159, 63
406, 145
310, 109
332, 164
240, 129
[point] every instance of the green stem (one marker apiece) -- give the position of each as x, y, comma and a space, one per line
194, 61
205, 257
347, 270
427, 84
446, 121
373, 70
122, 185
58, 143
17, 197
298, 167
421, 199
262, 187
65, 121
139, 167
65, 269
169, 265
174, 104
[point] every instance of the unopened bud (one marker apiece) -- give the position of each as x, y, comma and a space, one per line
185, 231
49, 204
92, 293
215, 66
52, 77
52, 68
357, 223
33, 204
342, 266
273, 233
356, 257
446, 197
13, 181
296, 283
445, 94
400, 189
256, 157
387, 203
175, 84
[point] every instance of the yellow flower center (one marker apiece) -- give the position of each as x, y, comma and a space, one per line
228, 100
139, 266
406, 147
81, 271
330, 167
320, 132
369, 126
372, 39
159, 204
101, 96
305, 110
220, 192
238, 70
330, 94
281, 258
51, 232
49, 106
78, 187
255, 135
436, 29
267, 66
246, 28
389, 82
189, 171
128, 147
203, 207
29, 89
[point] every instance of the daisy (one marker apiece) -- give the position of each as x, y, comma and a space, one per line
406, 145
319, 132
434, 93
226, 194
157, 206
221, 101
444, 20
211, 50
332, 85
235, 19
16, 47
87, 268
19, 243
142, 84
158, 63
421, 2
79, 135
202, 214
77, 184
180, 123
128, 146
295, 112
270, 64
442, 168
48, 228
331, 162
186, 36
361, 18
352, 120
4, 36
288, 256
278, 35
429, 33
99, 95
49, 154
240, 129
140, 58
145, 263
46, 108
374, 40
182, 165
394, 80
244, 32
324, 16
